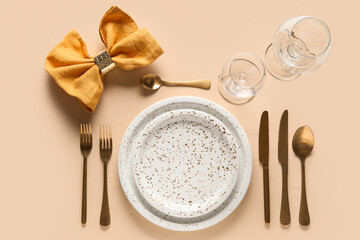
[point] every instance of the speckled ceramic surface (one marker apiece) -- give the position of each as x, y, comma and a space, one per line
185, 163
130, 149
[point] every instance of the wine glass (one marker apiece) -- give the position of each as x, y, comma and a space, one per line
300, 45
242, 76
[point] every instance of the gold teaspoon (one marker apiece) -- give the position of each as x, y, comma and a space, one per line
302, 144
154, 82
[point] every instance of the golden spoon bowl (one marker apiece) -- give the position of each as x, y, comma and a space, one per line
303, 142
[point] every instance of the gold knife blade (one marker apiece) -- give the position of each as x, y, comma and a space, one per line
283, 152
264, 139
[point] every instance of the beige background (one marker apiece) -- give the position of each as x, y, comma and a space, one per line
41, 164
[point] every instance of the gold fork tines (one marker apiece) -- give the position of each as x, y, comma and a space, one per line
85, 136
105, 145
85, 147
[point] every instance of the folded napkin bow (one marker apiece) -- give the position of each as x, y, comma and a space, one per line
81, 76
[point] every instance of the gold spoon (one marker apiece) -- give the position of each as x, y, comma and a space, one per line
154, 82
302, 144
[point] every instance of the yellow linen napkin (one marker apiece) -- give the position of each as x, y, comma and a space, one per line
76, 72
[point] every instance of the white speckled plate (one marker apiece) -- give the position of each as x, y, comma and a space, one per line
185, 163
140, 198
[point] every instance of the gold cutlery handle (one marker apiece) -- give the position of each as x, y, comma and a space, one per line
304, 217
84, 193
285, 218
105, 210
203, 84
266, 194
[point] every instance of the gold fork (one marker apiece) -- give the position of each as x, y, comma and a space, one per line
85, 146
105, 154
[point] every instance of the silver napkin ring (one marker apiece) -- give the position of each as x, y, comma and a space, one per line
104, 62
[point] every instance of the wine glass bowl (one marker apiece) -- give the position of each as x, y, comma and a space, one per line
242, 76
300, 45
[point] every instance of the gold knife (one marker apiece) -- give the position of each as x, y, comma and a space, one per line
264, 159
283, 156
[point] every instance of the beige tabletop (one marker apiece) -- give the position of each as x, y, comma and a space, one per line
41, 163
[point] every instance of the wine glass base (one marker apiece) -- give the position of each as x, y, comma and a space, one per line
231, 99
275, 68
